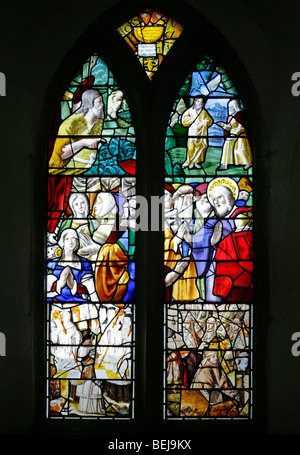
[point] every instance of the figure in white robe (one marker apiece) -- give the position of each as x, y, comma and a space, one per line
236, 148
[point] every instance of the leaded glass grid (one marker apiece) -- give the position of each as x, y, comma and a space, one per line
208, 250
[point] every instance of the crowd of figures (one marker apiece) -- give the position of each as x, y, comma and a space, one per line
90, 263
209, 290
90, 292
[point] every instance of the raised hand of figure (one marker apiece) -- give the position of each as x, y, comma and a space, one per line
62, 281
89, 250
178, 237
85, 237
188, 237
92, 143
87, 244
182, 265
217, 233
221, 124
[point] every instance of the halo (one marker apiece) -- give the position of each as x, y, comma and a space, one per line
223, 181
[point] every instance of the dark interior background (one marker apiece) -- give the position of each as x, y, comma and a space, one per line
43, 44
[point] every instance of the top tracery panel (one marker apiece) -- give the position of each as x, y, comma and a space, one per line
150, 35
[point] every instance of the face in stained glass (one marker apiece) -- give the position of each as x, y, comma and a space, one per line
208, 249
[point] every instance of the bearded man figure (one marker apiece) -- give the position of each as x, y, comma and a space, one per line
72, 137
210, 374
222, 194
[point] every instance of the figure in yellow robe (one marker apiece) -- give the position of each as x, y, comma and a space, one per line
184, 288
70, 131
114, 266
236, 148
74, 151
198, 120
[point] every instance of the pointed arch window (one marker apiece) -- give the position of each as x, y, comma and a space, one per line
206, 257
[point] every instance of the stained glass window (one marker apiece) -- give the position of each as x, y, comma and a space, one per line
150, 35
208, 250
90, 255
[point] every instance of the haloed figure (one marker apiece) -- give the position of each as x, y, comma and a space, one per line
223, 201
